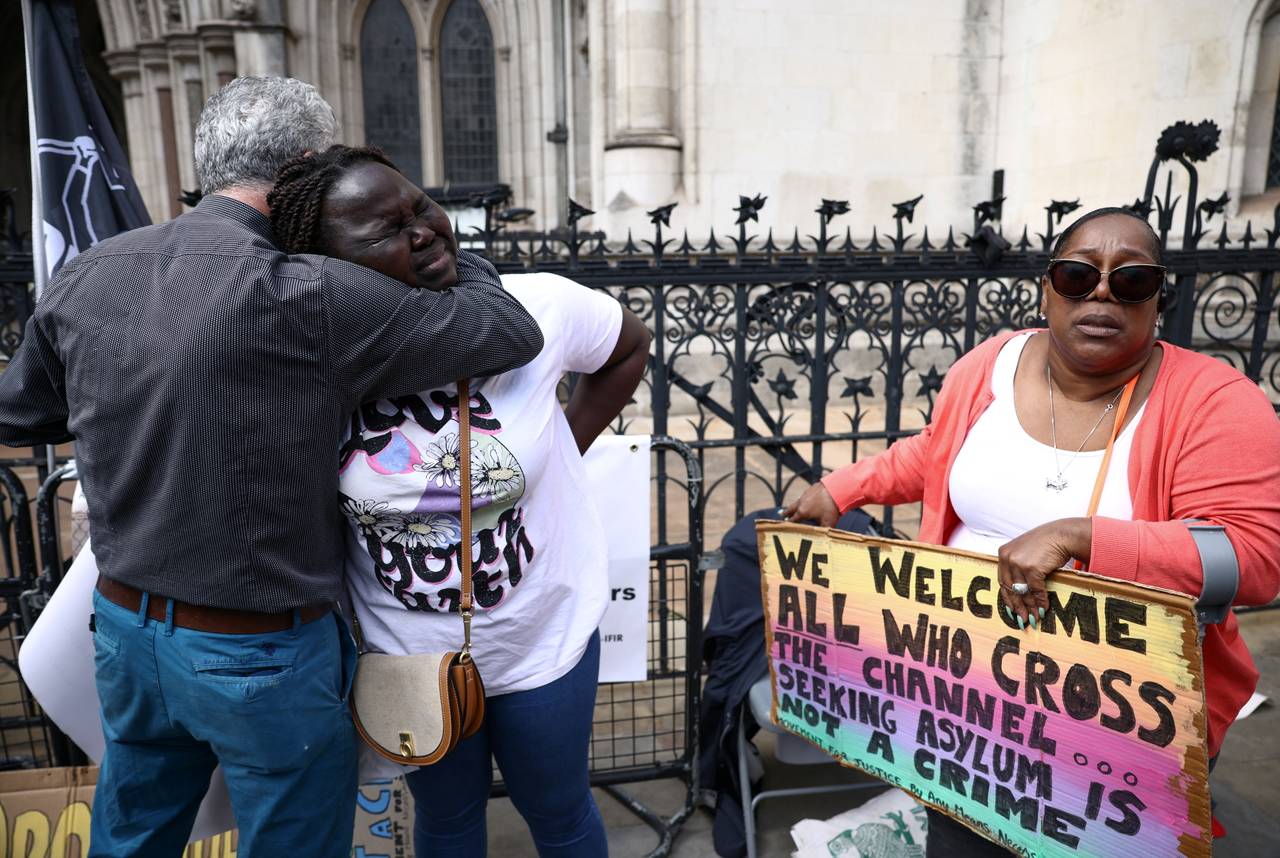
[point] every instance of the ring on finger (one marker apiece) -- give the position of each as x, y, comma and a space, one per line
1020, 587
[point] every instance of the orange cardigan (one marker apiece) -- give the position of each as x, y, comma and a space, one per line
1207, 447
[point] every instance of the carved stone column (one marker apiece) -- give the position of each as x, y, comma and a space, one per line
218, 55
188, 100
157, 84
140, 130
259, 39
642, 145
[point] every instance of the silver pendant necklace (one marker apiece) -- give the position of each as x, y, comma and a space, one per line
1059, 482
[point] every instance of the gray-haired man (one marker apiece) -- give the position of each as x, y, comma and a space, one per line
206, 379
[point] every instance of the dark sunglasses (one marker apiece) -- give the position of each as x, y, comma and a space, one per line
1129, 284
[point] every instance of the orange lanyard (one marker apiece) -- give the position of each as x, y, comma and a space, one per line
1121, 411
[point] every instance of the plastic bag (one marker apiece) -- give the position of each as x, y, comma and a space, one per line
891, 825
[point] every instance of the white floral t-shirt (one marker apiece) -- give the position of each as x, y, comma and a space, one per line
540, 576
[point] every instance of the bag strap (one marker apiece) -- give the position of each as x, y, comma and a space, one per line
464, 478
1121, 411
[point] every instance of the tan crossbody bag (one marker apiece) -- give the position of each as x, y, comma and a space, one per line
414, 709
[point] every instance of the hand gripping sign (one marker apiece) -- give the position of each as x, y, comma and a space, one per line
1085, 737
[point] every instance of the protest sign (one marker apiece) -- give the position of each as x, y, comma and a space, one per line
44, 813
384, 821
1084, 737
617, 469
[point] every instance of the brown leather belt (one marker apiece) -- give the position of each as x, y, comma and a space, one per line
205, 619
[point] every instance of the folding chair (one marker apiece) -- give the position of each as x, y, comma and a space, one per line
790, 750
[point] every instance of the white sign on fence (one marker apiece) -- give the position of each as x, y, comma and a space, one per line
618, 477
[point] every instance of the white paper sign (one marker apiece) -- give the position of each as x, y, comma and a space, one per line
618, 482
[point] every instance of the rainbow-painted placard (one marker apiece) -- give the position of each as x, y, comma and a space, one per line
1085, 737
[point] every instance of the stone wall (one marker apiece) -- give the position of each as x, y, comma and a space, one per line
854, 99
698, 101
1085, 89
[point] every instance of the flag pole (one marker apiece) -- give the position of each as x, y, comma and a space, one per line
40, 270
40, 266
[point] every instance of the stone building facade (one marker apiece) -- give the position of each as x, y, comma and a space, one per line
625, 105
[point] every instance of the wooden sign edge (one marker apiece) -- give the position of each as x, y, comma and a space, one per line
1197, 755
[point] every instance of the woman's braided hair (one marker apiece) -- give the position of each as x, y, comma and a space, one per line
300, 189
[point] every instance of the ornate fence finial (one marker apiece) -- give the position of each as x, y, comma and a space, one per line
830, 208
518, 214
874, 246
826, 212
990, 210
1223, 238
577, 212
988, 245
748, 208
1187, 143
906, 209
661, 215
1205, 212
1212, 207
1140, 207
1055, 212
1185, 140
1024, 243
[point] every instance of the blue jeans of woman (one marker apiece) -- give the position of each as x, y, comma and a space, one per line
539, 739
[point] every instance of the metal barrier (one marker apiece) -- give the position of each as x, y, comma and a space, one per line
641, 730
62, 751
649, 730
25, 739
644, 731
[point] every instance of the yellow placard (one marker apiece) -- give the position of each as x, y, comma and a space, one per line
1082, 737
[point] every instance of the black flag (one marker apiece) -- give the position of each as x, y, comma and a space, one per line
82, 174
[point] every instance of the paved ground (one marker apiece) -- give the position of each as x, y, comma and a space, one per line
1246, 784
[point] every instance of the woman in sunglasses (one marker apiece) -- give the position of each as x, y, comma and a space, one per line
1035, 413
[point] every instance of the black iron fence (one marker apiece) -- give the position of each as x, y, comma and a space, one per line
779, 357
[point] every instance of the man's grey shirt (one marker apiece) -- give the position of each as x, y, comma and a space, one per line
207, 379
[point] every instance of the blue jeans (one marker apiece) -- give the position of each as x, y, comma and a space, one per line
539, 738
271, 708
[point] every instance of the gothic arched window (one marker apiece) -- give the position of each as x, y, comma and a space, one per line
469, 112
1261, 163
389, 72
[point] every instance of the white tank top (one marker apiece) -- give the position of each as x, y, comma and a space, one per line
998, 479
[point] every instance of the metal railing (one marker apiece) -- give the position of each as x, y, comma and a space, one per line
776, 359
779, 359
